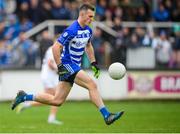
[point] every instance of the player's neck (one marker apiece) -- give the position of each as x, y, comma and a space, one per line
81, 23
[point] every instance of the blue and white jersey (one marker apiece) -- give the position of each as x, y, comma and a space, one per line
74, 40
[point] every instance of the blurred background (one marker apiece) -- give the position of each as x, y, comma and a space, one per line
144, 35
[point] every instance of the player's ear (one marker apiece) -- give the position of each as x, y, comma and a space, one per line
82, 13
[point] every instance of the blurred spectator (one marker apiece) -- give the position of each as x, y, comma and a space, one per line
146, 40
18, 4
120, 45
25, 51
101, 8
119, 13
161, 14
176, 48
176, 12
141, 15
24, 10
25, 24
59, 11
112, 6
67, 5
97, 42
127, 13
45, 42
163, 50
126, 35
45, 11
134, 42
2, 30
117, 24
2, 9
107, 53
13, 28
140, 33
5, 54
108, 18
169, 7
74, 10
34, 9
147, 4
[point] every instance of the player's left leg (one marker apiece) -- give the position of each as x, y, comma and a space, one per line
85, 81
29, 104
62, 91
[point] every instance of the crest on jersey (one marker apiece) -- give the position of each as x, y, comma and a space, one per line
65, 34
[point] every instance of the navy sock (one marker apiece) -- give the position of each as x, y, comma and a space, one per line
105, 113
28, 97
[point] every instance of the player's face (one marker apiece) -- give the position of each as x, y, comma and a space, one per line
89, 16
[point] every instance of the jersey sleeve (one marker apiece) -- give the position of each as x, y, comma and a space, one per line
65, 37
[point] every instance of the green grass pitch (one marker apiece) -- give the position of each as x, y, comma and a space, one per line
83, 117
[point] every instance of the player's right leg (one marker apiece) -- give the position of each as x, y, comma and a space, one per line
82, 79
85, 81
62, 90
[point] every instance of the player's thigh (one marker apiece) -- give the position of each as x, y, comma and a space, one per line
84, 80
62, 90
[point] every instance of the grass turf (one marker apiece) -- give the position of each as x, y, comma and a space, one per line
83, 117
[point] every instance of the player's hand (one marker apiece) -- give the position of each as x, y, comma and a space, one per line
95, 69
62, 70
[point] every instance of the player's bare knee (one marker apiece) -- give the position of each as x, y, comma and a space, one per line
58, 102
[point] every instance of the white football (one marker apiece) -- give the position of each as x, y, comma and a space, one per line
117, 70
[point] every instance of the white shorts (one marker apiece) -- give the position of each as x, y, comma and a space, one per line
49, 80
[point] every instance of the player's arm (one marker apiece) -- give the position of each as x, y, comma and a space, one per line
52, 65
90, 52
57, 50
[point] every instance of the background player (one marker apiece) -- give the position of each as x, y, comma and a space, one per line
49, 78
